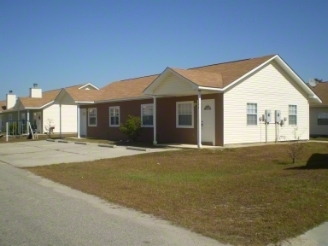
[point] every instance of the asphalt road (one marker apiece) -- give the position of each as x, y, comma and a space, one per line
36, 211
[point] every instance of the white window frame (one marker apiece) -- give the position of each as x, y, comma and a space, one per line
119, 116
142, 114
251, 114
191, 103
95, 116
324, 117
292, 114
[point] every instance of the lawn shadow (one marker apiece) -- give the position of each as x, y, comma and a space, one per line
316, 161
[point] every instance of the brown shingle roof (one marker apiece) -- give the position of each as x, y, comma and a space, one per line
201, 78
321, 90
3, 105
47, 97
231, 71
216, 75
130, 88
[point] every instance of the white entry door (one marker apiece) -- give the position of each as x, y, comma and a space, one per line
83, 122
208, 121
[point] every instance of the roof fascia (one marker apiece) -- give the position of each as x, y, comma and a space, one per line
297, 79
149, 90
88, 85
124, 99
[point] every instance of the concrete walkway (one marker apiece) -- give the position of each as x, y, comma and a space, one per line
39, 153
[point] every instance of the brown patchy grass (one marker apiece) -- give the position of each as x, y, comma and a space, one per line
246, 196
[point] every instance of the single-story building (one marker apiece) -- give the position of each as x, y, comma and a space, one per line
246, 101
319, 112
40, 111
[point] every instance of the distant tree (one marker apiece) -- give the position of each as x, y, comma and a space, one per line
318, 80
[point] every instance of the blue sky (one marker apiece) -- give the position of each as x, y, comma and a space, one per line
58, 43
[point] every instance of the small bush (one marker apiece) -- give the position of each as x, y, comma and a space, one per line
132, 127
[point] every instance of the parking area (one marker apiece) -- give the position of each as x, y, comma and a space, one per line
38, 153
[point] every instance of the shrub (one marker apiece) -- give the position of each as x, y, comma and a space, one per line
132, 127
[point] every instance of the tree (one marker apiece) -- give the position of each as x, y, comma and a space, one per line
132, 127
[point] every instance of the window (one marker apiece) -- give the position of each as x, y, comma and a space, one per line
10, 117
323, 118
147, 119
185, 114
292, 115
251, 114
92, 116
114, 116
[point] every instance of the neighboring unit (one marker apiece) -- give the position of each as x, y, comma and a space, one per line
319, 113
40, 110
246, 101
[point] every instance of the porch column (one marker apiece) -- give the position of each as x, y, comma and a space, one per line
199, 122
78, 121
18, 123
60, 120
154, 121
27, 120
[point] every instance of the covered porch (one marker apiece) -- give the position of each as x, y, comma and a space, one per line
197, 111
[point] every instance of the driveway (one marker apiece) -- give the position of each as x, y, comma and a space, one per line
38, 153
37, 211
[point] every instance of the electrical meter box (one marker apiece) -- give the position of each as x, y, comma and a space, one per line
277, 116
267, 116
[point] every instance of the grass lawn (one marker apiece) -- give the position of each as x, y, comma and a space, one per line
245, 196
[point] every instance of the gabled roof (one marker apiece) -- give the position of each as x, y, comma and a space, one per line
48, 97
218, 75
221, 77
321, 90
3, 105
127, 89
233, 70
202, 78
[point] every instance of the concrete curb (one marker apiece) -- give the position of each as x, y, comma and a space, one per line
136, 148
50, 140
62, 141
80, 143
107, 146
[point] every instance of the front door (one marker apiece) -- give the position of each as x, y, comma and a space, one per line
38, 121
208, 121
83, 122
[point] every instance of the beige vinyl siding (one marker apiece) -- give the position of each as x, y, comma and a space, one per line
69, 118
316, 129
173, 85
270, 88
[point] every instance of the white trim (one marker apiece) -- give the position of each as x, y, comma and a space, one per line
78, 121
158, 80
141, 114
88, 85
210, 89
199, 118
84, 102
88, 111
119, 116
256, 116
123, 99
155, 120
192, 114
